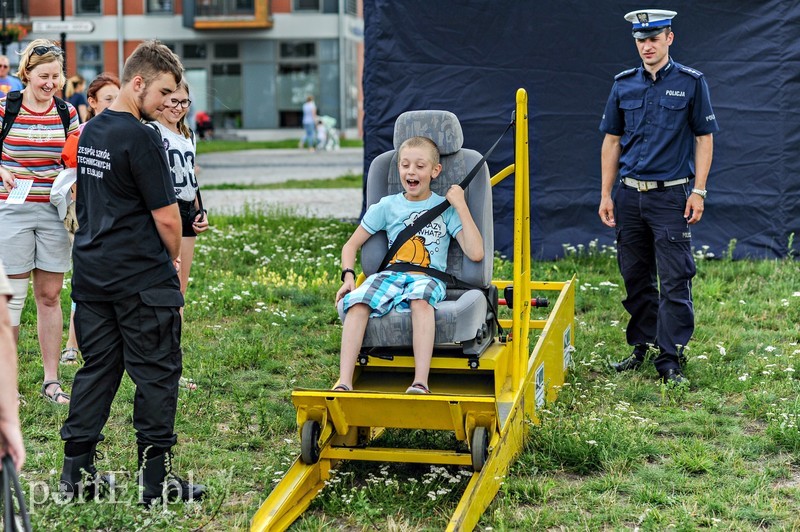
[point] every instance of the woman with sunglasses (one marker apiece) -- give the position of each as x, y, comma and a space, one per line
34, 242
181, 146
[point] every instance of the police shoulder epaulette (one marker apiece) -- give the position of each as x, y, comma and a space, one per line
692, 72
625, 73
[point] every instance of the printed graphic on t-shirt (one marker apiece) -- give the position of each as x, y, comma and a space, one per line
416, 249
93, 161
40, 133
181, 165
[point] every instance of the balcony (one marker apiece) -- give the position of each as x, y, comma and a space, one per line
227, 14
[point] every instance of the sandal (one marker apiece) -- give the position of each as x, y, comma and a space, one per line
341, 388
69, 356
418, 389
187, 384
54, 398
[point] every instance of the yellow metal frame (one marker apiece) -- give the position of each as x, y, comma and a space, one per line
506, 389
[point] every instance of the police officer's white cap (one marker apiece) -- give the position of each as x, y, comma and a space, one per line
649, 22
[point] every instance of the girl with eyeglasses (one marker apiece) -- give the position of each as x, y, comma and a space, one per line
34, 242
181, 147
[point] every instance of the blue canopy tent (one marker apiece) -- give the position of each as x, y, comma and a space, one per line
470, 56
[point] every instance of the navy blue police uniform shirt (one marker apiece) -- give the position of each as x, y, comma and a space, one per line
658, 120
123, 175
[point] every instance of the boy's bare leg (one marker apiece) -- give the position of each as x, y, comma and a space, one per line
423, 325
355, 324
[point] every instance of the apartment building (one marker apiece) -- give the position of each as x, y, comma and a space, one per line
249, 63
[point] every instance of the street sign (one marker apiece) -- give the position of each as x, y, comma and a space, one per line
63, 26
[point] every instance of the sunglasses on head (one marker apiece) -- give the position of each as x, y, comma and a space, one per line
44, 50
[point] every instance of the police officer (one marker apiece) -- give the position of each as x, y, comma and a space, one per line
658, 125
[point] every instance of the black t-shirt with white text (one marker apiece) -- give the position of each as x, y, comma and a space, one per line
123, 175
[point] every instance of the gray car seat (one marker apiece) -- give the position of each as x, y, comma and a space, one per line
463, 320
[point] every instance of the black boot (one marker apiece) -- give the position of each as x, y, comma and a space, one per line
634, 361
79, 479
157, 479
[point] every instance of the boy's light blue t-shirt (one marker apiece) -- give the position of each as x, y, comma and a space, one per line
393, 213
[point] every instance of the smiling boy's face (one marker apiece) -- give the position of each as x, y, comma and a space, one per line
417, 170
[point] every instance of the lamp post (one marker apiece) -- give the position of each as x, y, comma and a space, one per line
4, 38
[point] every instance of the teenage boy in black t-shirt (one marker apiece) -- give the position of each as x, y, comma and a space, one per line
125, 282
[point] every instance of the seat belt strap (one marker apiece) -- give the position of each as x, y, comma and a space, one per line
431, 214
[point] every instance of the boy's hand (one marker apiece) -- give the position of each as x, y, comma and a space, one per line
455, 195
347, 287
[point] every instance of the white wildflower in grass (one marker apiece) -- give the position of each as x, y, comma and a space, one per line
609, 283
741, 302
614, 323
790, 369
744, 377
701, 357
722, 350
796, 294
237, 298
591, 442
770, 348
785, 302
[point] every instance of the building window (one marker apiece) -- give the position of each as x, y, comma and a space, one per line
224, 8
226, 92
90, 61
195, 51
324, 6
298, 50
306, 5
14, 9
226, 51
159, 6
88, 7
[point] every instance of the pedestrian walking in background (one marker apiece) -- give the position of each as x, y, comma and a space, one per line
658, 124
309, 124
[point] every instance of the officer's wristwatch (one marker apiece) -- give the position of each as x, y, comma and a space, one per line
700, 192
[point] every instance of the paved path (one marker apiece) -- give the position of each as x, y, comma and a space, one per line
276, 166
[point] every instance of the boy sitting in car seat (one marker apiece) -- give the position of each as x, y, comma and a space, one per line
418, 165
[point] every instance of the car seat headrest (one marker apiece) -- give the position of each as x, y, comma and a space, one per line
442, 127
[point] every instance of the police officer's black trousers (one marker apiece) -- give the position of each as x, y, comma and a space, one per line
139, 334
654, 246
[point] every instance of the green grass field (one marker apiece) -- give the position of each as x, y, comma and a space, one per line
614, 452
